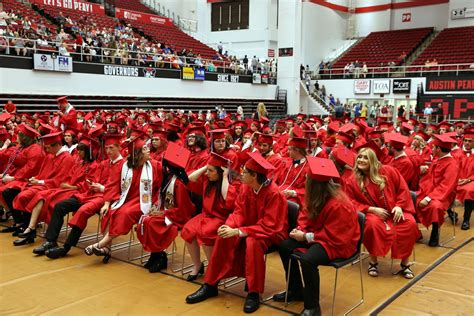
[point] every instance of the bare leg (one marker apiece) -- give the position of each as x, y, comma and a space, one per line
35, 213
208, 251
195, 254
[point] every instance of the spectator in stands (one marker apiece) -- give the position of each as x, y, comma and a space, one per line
316, 86
357, 69
332, 101
428, 112
246, 62
254, 64
19, 45
365, 70
3, 45
219, 48
63, 50
61, 19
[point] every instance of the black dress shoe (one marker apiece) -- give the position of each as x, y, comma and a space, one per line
292, 296
10, 229
56, 252
434, 238
193, 277
311, 312
30, 234
465, 225
19, 230
24, 241
252, 302
205, 291
160, 263
153, 257
44, 247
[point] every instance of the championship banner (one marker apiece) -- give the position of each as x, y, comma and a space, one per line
77, 5
187, 73
142, 17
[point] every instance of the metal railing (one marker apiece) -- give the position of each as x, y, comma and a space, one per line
93, 54
397, 71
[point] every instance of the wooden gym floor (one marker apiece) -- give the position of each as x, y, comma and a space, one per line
82, 285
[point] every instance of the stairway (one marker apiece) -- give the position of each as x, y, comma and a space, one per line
314, 105
420, 49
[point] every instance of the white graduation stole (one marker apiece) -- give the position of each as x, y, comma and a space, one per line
145, 187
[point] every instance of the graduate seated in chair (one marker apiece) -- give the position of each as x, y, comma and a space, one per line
259, 220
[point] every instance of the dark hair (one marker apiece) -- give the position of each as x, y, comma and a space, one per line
201, 141
172, 136
74, 140
88, 157
134, 158
25, 140
318, 193
261, 178
215, 184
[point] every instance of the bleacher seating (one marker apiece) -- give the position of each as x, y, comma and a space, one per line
134, 5
174, 37
26, 11
451, 46
384, 47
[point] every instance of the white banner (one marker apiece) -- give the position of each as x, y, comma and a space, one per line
362, 86
43, 62
381, 86
48, 63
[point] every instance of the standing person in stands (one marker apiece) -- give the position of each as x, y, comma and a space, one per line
129, 195
380, 192
327, 229
218, 200
259, 220
438, 187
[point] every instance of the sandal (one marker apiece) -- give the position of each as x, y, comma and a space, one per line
102, 252
373, 270
406, 271
89, 250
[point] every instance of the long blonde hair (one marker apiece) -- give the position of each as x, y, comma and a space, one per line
261, 109
374, 170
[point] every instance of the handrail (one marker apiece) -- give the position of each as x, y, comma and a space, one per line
394, 71
113, 55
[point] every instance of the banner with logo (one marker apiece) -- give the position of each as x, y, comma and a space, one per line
187, 73
142, 17
256, 78
381, 86
199, 73
76, 5
48, 63
450, 84
401, 86
362, 86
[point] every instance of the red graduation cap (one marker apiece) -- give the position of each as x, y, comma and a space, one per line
333, 126
396, 140
135, 144
310, 134
407, 127
345, 137
113, 139
265, 138
264, 120
218, 160
374, 135
172, 127
281, 123
28, 131
459, 124
343, 155
298, 142
444, 124
52, 138
422, 135
347, 128
61, 100
372, 145
218, 133
96, 131
197, 130
469, 134
177, 155
45, 128
258, 164
10, 107
162, 135
443, 141
5, 117
322, 169
297, 131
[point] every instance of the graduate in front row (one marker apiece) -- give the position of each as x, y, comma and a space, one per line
259, 220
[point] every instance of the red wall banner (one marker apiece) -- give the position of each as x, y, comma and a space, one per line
76, 5
142, 17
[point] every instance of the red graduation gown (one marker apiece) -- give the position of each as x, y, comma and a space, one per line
122, 219
294, 178
215, 210
54, 171
92, 201
152, 230
380, 236
263, 216
405, 166
466, 191
336, 228
440, 185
